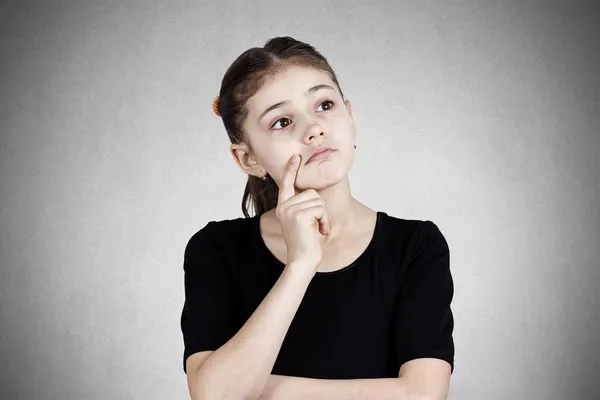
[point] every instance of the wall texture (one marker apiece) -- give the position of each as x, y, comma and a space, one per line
482, 116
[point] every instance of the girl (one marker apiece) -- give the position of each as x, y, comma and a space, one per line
316, 295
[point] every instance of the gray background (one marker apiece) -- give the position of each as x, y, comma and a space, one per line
482, 116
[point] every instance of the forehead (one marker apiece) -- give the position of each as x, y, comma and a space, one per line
288, 84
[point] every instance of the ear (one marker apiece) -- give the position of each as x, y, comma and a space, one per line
349, 108
245, 160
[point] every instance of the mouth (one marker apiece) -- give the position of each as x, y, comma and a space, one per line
320, 155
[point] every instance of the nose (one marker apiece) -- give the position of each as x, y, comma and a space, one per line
312, 132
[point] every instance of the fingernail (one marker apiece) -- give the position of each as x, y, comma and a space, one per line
294, 158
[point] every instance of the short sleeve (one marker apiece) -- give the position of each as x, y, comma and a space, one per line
423, 318
208, 316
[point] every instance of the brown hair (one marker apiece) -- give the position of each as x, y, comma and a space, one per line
242, 80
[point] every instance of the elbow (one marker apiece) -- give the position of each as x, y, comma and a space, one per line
422, 391
420, 394
426, 396
430, 396
208, 386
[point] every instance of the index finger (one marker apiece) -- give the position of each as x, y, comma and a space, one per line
286, 189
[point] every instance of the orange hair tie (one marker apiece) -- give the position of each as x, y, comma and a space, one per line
215, 106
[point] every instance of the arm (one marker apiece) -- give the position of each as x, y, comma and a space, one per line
423, 324
241, 367
423, 318
419, 379
295, 388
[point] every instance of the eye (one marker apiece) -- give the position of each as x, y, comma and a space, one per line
281, 119
328, 102
329, 107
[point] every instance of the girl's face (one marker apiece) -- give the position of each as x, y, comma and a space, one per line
295, 112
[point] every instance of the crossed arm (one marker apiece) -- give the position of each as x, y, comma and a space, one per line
419, 379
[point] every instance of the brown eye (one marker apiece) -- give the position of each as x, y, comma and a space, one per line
283, 125
327, 102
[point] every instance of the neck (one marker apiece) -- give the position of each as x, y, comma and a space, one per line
342, 210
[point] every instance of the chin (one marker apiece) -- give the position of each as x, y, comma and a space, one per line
323, 174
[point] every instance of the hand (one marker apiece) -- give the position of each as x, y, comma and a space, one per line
303, 217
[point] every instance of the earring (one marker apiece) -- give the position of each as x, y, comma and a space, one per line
264, 177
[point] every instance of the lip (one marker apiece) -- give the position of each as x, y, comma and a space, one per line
321, 153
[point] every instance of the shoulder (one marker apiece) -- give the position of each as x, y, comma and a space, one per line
219, 235
408, 233
412, 240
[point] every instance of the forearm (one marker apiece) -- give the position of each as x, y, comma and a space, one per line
296, 388
241, 367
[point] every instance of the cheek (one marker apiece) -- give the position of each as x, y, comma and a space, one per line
345, 132
275, 157
344, 122
281, 152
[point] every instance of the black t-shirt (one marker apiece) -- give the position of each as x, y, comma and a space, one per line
391, 305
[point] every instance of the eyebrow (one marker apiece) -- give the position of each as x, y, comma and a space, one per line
277, 105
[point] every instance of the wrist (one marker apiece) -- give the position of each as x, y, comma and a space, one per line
301, 269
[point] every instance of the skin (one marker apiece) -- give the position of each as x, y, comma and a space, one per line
306, 122
298, 127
